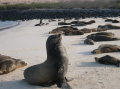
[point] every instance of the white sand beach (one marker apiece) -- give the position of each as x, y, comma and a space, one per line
27, 42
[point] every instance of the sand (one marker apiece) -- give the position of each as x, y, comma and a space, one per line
27, 42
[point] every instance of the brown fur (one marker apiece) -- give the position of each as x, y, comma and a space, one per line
109, 60
106, 48
8, 64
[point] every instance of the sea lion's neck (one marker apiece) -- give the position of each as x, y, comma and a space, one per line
55, 52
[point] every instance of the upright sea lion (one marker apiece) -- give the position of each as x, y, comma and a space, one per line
108, 60
8, 64
106, 48
54, 69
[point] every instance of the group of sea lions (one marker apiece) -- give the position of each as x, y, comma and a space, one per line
72, 30
54, 69
77, 23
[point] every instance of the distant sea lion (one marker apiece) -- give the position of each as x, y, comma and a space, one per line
63, 23
8, 64
106, 48
101, 28
66, 30
54, 69
108, 60
107, 27
82, 23
103, 33
111, 20
102, 36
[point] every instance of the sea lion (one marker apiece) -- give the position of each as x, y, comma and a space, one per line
106, 48
107, 27
101, 28
54, 69
108, 60
63, 23
82, 23
111, 20
103, 33
86, 30
66, 30
89, 41
102, 36
8, 64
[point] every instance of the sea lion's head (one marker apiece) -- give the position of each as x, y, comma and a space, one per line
20, 63
53, 45
96, 51
54, 40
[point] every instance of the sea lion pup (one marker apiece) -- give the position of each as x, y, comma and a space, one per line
106, 48
8, 64
108, 60
54, 69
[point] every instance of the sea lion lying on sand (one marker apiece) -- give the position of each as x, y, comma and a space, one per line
106, 48
54, 69
82, 23
8, 64
111, 20
103, 33
108, 60
66, 30
107, 27
103, 36
63, 23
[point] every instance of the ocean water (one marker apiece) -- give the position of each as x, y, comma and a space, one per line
4, 24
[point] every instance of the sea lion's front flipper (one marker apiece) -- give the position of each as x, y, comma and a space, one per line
68, 79
62, 83
65, 86
61, 80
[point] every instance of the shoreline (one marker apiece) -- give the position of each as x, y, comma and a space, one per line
11, 26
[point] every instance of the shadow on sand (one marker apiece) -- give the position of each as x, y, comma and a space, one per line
86, 53
93, 64
19, 84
